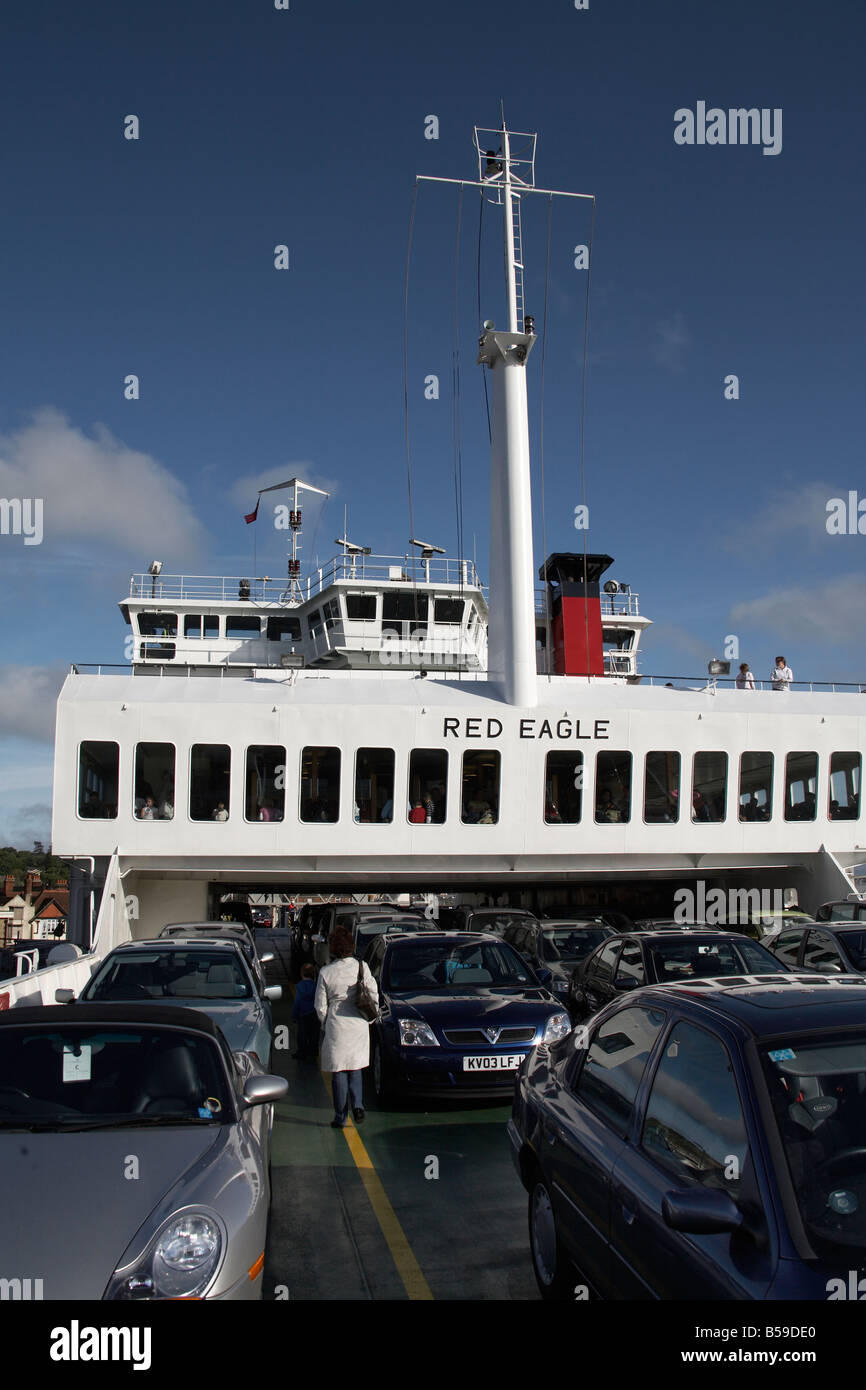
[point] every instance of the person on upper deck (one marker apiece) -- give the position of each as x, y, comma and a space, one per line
745, 680
782, 674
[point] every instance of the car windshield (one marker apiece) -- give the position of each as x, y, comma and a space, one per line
689, 959
572, 943
818, 1090
438, 965
197, 973
90, 1076
853, 945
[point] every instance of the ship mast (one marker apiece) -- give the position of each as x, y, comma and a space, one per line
505, 176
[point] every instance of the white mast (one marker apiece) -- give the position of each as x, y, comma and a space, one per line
507, 176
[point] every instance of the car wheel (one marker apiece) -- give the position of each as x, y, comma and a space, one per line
382, 1087
554, 1272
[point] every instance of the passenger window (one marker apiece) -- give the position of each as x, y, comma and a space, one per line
154, 781
428, 781
98, 770
374, 785
320, 784
265, 788
756, 786
821, 955
801, 780
788, 946
563, 780
209, 781
613, 787
629, 970
602, 967
480, 791
661, 798
844, 786
694, 1126
615, 1063
709, 786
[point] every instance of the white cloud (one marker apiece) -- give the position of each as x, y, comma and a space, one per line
835, 613
790, 511
28, 699
97, 490
670, 339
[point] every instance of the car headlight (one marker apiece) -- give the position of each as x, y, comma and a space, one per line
414, 1032
557, 1026
179, 1262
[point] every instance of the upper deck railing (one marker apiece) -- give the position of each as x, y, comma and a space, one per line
612, 605
366, 569
695, 684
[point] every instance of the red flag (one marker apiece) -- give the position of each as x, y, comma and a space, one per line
252, 516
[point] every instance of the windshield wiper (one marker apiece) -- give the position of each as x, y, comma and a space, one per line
58, 1125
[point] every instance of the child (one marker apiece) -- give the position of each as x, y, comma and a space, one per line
304, 1012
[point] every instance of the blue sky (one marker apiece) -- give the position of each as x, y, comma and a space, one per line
307, 127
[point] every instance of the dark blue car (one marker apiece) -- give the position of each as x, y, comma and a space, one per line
701, 1141
459, 1013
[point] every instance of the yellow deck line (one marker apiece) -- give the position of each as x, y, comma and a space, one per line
403, 1255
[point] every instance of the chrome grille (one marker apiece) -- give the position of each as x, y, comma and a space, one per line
474, 1037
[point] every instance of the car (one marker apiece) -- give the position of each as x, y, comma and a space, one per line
658, 957
195, 973
700, 1141
352, 915
458, 1013
492, 919
88, 1092
618, 920
826, 948
554, 949
842, 910
770, 924
230, 931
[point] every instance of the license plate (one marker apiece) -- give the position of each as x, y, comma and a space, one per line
494, 1062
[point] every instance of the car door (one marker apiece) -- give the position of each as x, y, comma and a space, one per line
598, 986
584, 1133
630, 971
822, 955
694, 1128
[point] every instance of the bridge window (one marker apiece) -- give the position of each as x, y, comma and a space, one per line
197, 625
661, 793
374, 785
98, 769
428, 778
844, 786
480, 787
448, 610
320, 784
801, 786
563, 788
613, 787
156, 651
361, 608
157, 624
756, 786
709, 786
209, 780
240, 628
154, 781
284, 629
265, 783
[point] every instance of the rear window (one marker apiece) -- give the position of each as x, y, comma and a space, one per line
169, 976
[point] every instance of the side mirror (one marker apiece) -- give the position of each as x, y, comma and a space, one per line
64, 996
704, 1212
545, 976
274, 992
259, 1090
266, 958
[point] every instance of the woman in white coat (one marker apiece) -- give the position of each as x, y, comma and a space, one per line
346, 1044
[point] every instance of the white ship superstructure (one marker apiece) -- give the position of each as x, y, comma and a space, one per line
369, 726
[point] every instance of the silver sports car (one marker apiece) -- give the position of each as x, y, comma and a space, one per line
145, 1142
209, 975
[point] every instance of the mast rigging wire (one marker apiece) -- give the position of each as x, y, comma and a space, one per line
455, 397
406, 388
549, 633
583, 435
480, 324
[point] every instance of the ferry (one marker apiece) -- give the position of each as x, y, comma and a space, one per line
391, 724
